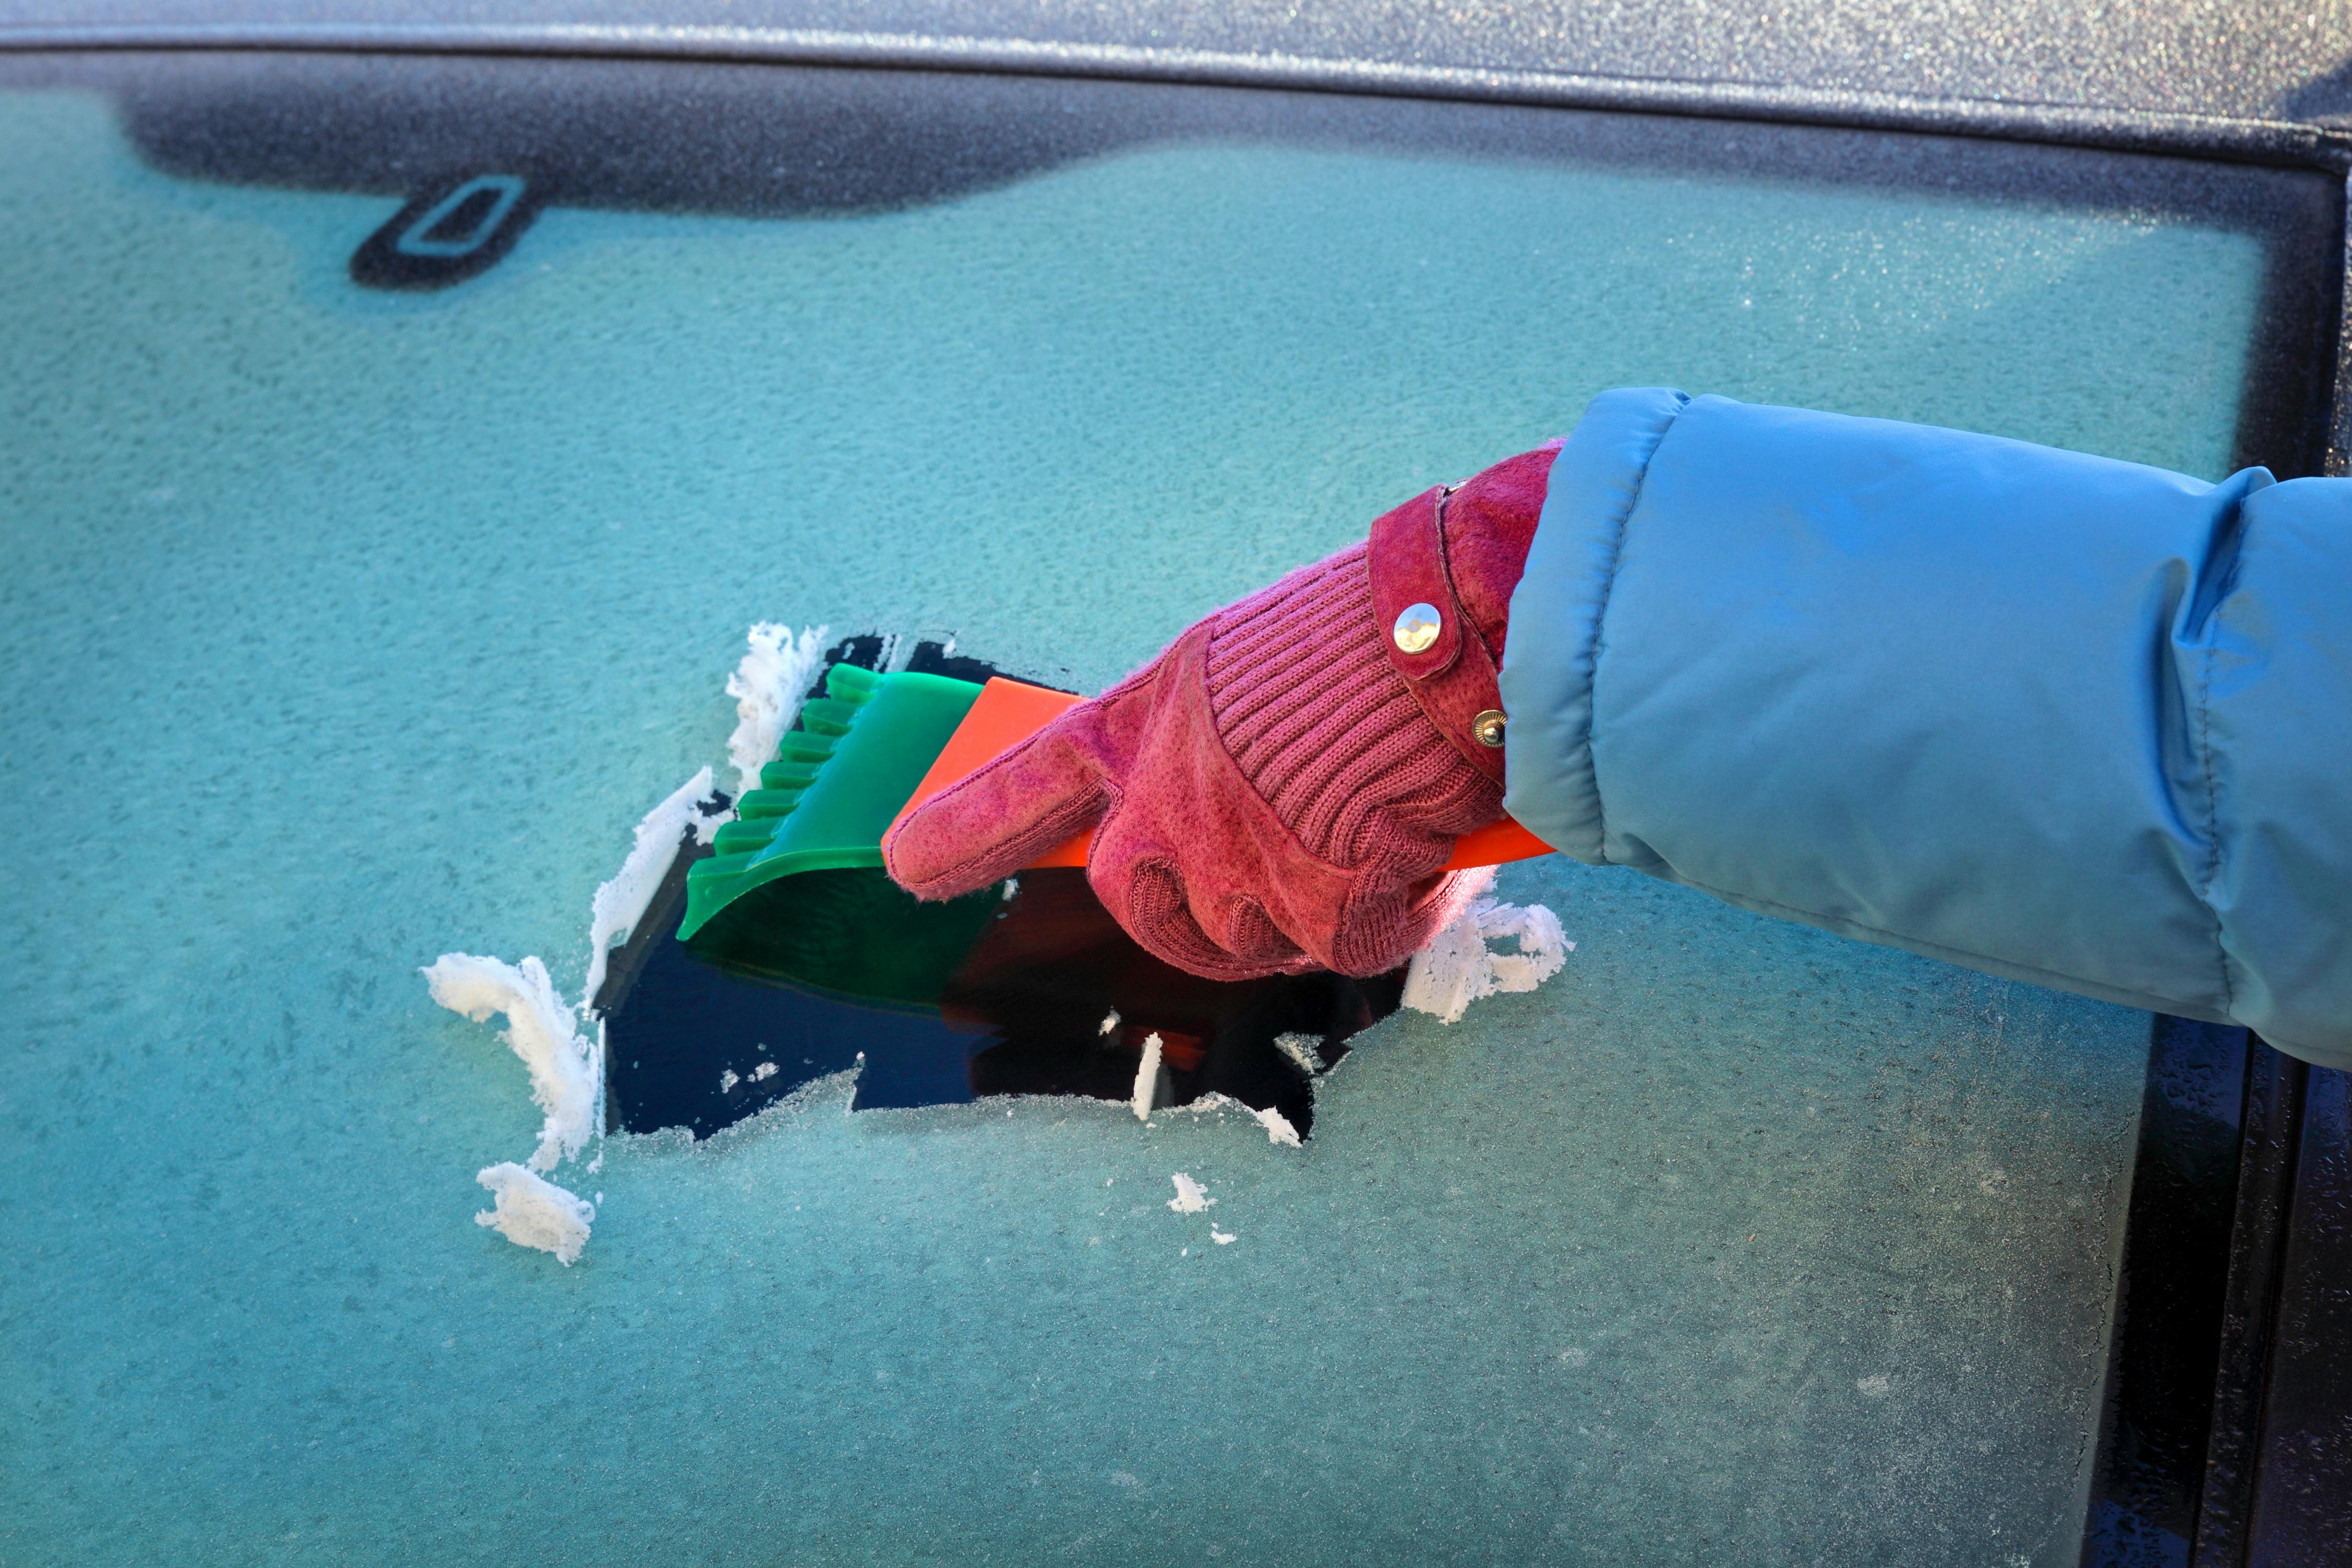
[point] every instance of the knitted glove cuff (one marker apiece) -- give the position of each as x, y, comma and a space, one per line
1323, 727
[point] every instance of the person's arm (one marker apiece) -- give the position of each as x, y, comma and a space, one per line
2051, 716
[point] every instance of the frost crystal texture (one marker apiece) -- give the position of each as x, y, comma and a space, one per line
767, 688
1279, 1128
534, 1212
565, 1069
1459, 967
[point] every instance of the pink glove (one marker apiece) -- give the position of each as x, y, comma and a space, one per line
1279, 790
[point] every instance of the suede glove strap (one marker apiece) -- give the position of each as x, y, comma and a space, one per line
1453, 678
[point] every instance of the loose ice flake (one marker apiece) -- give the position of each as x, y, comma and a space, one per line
1301, 1049
1151, 1086
534, 1212
768, 687
565, 1069
1457, 967
1278, 1129
1190, 1198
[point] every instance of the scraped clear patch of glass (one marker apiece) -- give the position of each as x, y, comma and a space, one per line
345, 627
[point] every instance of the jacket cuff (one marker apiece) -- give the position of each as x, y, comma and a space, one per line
2271, 679
1555, 626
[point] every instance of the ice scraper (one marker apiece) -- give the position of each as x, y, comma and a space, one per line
873, 747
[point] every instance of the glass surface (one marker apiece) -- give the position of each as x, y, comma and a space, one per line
343, 628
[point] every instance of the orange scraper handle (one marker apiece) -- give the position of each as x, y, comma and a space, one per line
1009, 712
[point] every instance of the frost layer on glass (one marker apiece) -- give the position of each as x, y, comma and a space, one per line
343, 630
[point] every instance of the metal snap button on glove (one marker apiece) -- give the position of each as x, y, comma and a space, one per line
1417, 627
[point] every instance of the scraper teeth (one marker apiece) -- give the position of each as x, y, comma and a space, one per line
824, 716
800, 746
848, 683
767, 804
810, 743
741, 837
773, 837
803, 750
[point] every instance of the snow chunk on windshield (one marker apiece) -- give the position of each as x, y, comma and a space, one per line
768, 687
1190, 1198
565, 1069
621, 902
1457, 967
534, 1212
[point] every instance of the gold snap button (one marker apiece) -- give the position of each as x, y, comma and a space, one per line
1487, 728
1416, 628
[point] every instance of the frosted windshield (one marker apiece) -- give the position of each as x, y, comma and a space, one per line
346, 628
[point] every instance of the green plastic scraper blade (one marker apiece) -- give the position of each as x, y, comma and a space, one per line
839, 777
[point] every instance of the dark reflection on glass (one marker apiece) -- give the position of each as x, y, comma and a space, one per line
1047, 996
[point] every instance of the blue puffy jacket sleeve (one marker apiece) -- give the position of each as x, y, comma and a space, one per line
2052, 716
